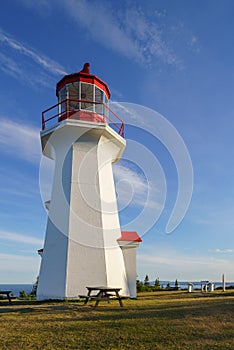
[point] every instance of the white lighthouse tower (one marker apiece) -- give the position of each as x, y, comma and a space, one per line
84, 245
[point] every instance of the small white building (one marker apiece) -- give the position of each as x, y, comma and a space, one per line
129, 242
190, 287
84, 245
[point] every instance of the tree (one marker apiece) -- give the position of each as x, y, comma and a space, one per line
157, 283
176, 283
139, 286
168, 286
23, 295
34, 288
146, 281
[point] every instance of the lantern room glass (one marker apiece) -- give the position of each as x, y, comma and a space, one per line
86, 94
73, 95
62, 100
99, 94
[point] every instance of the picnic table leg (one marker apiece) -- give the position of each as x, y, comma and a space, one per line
96, 304
119, 298
87, 299
99, 295
9, 298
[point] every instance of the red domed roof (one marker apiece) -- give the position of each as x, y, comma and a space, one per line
84, 76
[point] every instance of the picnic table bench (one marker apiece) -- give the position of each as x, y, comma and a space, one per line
103, 293
7, 293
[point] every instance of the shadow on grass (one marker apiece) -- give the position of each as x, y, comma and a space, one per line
33, 306
187, 305
169, 313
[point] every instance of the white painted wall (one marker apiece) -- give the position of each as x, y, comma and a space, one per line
81, 246
129, 255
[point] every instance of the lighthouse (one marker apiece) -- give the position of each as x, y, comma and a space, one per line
84, 245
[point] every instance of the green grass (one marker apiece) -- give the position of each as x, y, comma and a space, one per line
159, 320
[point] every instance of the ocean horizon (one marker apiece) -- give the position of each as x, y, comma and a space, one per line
17, 288
196, 284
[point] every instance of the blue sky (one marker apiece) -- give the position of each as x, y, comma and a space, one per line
174, 57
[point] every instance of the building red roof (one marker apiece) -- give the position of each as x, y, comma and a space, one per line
84, 76
129, 236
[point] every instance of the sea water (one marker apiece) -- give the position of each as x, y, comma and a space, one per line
16, 288
196, 284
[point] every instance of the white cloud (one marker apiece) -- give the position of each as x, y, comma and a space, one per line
134, 178
194, 44
15, 268
218, 250
19, 238
132, 187
25, 64
129, 32
9, 66
172, 263
20, 140
45, 62
129, 113
41, 6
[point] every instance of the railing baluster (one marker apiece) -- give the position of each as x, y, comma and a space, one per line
105, 108
67, 108
43, 121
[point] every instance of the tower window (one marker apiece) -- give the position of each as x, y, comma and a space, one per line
73, 95
99, 98
87, 95
62, 97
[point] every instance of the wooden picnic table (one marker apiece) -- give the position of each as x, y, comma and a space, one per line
103, 293
7, 293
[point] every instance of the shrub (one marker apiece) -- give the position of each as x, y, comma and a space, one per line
23, 295
139, 286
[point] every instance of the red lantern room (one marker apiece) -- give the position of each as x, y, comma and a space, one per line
83, 96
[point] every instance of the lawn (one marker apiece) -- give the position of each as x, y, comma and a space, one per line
156, 320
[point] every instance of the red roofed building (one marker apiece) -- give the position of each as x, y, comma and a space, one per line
129, 242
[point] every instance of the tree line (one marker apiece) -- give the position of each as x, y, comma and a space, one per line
145, 286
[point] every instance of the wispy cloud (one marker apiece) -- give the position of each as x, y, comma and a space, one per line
20, 140
19, 238
43, 61
130, 31
194, 44
24, 63
16, 268
172, 263
133, 187
43, 7
136, 179
218, 250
